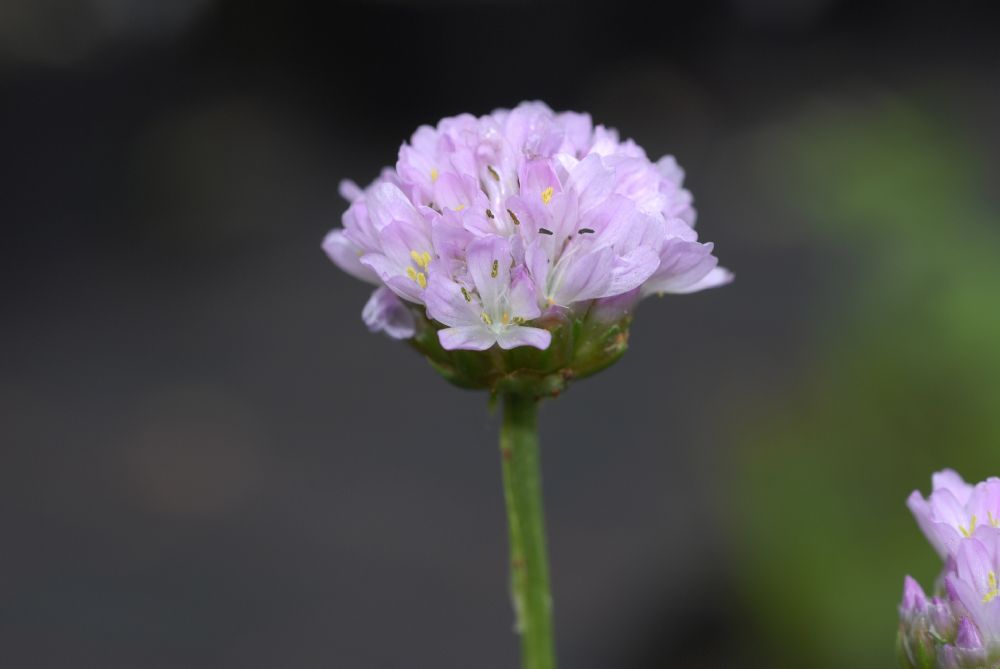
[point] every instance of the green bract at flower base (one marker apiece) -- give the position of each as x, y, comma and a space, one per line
581, 347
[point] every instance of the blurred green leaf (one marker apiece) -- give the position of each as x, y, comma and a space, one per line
904, 381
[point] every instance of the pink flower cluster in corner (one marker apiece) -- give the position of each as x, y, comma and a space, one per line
961, 624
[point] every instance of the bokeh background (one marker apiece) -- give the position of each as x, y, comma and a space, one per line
209, 463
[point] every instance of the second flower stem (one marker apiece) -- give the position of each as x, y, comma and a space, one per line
528, 559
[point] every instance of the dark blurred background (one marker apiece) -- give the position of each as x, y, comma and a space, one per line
208, 461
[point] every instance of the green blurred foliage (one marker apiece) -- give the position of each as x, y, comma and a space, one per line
904, 379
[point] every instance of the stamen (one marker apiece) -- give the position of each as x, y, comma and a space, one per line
585, 231
412, 273
972, 527
993, 592
486, 318
513, 217
460, 207
489, 214
421, 260
506, 318
547, 194
421, 280
465, 294
544, 231
434, 174
493, 173
495, 270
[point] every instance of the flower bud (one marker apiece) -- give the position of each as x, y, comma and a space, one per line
914, 600
917, 640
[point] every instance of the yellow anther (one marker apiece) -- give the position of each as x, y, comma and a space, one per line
994, 521
465, 294
434, 174
460, 207
486, 318
506, 318
972, 527
419, 277
993, 592
495, 270
547, 194
422, 260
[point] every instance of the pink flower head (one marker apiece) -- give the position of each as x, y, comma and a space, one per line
961, 627
490, 223
955, 509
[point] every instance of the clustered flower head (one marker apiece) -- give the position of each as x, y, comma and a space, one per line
520, 228
959, 627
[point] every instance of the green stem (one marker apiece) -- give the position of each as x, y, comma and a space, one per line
529, 566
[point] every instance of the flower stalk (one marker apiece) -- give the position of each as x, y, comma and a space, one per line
529, 569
